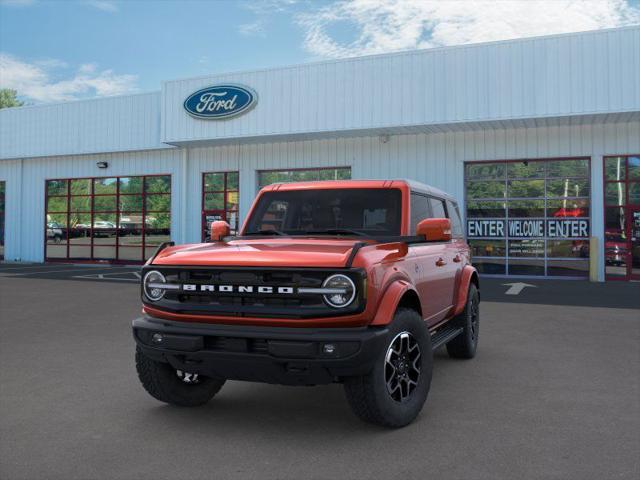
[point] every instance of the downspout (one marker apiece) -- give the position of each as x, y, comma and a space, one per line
184, 197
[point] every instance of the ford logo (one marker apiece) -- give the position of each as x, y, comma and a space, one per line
220, 101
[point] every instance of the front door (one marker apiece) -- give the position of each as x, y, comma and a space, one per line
633, 225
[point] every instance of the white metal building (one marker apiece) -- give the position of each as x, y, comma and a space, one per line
554, 120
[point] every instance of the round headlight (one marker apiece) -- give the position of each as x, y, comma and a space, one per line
342, 291
151, 287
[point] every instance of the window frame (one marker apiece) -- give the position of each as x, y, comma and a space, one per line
3, 215
225, 210
91, 213
505, 178
627, 206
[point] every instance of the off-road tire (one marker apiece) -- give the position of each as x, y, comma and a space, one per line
160, 380
466, 344
368, 395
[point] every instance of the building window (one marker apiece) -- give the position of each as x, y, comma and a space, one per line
2, 210
267, 177
529, 217
121, 219
622, 217
220, 191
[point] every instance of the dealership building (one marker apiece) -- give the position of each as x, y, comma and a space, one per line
537, 138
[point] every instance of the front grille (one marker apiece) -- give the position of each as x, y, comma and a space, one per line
252, 304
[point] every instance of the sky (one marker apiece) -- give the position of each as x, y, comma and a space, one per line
60, 50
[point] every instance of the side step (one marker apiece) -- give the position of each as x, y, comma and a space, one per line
444, 335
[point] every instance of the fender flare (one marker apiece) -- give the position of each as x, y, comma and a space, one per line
389, 302
469, 274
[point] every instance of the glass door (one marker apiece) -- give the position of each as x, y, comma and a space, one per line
220, 192
634, 243
622, 217
2, 189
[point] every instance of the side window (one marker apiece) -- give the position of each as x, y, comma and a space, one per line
437, 207
419, 210
454, 216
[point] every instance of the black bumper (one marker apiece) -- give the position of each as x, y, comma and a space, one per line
290, 356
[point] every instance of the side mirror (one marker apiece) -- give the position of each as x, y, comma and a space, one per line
434, 229
219, 230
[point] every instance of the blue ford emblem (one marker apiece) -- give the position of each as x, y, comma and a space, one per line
220, 101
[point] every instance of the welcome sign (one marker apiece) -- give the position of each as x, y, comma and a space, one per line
525, 228
220, 101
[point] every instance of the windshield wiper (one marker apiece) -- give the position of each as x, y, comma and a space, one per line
268, 231
337, 231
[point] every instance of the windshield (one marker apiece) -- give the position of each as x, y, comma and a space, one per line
353, 211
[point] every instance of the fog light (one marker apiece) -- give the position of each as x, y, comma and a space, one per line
329, 348
157, 338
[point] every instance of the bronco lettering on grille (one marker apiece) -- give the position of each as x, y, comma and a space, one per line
191, 287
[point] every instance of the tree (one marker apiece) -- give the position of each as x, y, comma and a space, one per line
8, 98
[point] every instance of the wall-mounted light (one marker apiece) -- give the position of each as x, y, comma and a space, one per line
102, 164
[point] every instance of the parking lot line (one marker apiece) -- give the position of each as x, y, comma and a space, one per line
22, 267
48, 271
110, 276
101, 277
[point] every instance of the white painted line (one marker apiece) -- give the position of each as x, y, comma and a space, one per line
29, 267
110, 274
137, 274
14, 274
110, 279
516, 288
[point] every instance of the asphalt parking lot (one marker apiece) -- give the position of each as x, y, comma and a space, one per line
554, 393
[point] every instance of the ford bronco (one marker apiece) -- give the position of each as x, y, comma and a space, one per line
355, 282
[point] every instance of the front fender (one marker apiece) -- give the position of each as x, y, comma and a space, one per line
468, 274
389, 303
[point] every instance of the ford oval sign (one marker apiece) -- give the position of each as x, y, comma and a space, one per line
220, 101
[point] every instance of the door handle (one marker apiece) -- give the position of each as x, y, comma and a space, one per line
457, 259
440, 262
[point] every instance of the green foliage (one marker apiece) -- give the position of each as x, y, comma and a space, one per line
8, 98
269, 177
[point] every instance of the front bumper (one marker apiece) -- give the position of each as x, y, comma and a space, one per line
289, 356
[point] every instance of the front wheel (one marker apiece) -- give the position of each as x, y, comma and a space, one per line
393, 393
172, 386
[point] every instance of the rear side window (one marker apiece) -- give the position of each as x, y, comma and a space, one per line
419, 210
454, 216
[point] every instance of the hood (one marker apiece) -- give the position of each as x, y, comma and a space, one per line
271, 252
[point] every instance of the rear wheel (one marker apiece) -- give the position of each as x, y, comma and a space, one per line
466, 344
393, 393
172, 386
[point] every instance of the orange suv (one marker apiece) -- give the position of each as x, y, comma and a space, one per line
355, 282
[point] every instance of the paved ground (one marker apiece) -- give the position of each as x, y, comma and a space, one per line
553, 393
